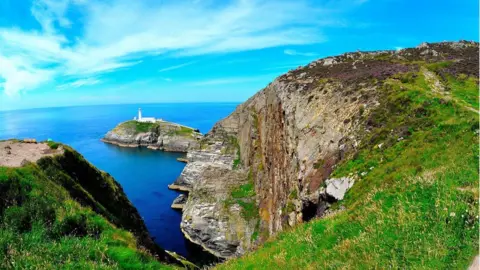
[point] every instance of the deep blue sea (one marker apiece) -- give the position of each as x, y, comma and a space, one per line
143, 173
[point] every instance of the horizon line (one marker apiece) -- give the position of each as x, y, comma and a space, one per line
134, 103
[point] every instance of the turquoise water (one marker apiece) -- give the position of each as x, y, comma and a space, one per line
144, 174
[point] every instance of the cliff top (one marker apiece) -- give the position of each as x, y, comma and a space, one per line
16, 153
387, 62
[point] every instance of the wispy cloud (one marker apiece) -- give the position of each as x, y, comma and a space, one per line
118, 34
294, 52
78, 83
176, 66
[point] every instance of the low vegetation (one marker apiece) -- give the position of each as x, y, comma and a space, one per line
244, 196
138, 127
237, 162
182, 131
134, 127
52, 145
415, 205
47, 221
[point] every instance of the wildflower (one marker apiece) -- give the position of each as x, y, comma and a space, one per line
452, 214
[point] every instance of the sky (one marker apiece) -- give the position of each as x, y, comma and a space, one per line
90, 52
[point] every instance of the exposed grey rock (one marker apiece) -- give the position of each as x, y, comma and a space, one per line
179, 202
198, 161
208, 221
337, 187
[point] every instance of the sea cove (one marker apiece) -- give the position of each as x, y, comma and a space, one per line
143, 173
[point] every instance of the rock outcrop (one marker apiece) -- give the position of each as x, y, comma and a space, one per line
160, 135
179, 201
264, 167
337, 187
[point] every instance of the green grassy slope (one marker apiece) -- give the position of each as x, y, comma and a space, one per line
417, 206
137, 127
47, 221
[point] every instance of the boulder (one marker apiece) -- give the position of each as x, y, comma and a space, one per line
337, 187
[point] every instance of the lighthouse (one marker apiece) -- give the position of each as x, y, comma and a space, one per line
139, 118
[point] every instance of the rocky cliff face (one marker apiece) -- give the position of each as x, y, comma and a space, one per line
265, 167
161, 135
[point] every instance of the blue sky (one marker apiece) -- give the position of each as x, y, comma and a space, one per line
81, 52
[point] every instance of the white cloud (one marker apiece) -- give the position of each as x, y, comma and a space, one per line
19, 74
78, 83
176, 66
118, 34
295, 53
49, 12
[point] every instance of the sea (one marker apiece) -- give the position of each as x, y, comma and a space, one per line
143, 173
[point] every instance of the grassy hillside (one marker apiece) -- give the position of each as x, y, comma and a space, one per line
64, 213
417, 205
135, 127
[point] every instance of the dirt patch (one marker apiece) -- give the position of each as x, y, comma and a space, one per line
16, 154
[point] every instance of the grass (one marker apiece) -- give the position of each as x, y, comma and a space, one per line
45, 223
138, 127
52, 145
465, 89
237, 162
182, 131
416, 209
244, 196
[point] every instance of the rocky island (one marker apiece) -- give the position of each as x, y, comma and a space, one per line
154, 134
374, 147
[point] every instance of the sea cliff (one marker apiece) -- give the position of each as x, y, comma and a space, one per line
294, 150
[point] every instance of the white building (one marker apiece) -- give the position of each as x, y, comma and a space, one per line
145, 119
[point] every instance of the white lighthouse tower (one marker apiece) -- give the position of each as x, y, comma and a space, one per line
139, 118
